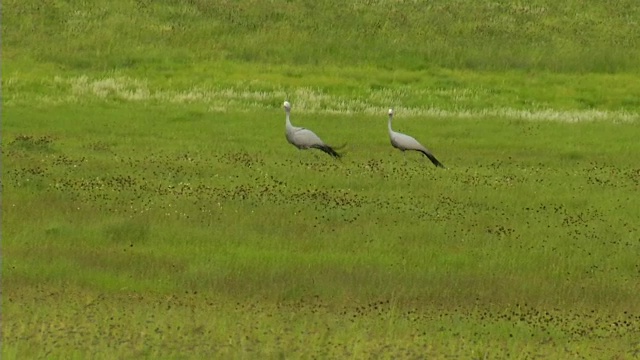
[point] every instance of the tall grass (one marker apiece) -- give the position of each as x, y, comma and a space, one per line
568, 36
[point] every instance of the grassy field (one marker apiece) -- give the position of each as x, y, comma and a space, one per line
152, 208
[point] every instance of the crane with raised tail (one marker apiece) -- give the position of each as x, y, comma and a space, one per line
304, 138
405, 142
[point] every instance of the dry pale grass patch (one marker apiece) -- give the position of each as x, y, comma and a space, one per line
306, 100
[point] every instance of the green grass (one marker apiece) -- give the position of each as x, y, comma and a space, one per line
153, 209
102, 35
515, 227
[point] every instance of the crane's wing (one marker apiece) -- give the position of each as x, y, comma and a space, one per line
406, 142
306, 138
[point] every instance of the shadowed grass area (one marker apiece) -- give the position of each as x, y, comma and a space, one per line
165, 324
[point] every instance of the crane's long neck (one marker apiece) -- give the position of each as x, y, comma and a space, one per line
390, 130
288, 122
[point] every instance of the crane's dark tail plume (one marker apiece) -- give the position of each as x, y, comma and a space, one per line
432, 158
328, 149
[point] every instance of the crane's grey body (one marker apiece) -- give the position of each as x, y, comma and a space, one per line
405, 142
304, 138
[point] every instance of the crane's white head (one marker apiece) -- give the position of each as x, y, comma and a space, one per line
287, 106
390, 112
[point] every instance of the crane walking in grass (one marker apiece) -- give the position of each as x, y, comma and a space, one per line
304, 138
405, 142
